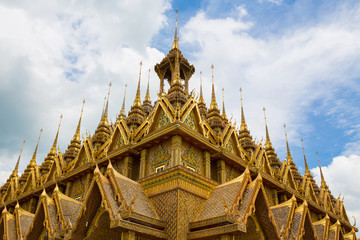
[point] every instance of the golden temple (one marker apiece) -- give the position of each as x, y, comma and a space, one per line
174, 169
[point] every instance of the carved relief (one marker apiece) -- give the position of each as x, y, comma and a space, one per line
230, 146
159, 158
163, 120
191, 122
231, 173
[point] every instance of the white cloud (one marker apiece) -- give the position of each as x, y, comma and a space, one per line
342, 176
54, 54
286, 73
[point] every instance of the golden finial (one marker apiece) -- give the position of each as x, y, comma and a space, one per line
147, 96
176, 38
223, 102
107, 102
201, 99
243, 125
287, 145
213, 104
266, 127
137, 101
323, 183
53, 149
103, 110
33, 160
122, 111
307, 171
77, 132
15, 172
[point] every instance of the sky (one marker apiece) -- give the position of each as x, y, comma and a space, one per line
299, 59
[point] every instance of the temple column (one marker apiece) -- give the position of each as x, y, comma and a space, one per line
207, 164
128, 166
161, 85
226, 237
176, 151
129, 235
221, 171
142, 163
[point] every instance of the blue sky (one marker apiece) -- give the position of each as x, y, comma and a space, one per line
299, 59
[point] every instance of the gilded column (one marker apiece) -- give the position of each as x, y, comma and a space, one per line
221, 171
142, 163
207, 164
130, 235
226, 237
128, 166
176, 151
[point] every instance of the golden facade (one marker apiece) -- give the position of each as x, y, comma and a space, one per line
170, 170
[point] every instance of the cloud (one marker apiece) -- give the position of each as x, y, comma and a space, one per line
54, 54
342, 176
287, 73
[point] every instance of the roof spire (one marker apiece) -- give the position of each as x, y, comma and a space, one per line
270, 151
53, 148
223, 107
104, 119
33, 159
266, 129
323, 183
213, 104
137, 101
307, 171
176, 38
147, 96
243, 125
77, 132
289, 157
122, 111
15, 171
201, 91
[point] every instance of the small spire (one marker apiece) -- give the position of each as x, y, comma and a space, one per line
15, 172
323, 183
53, 149
122, 111
223, 102
201, 91
77, 133
243, 125
213, 104
307, 171
176, 38
289, 157
137, 101
33, 159
147, 96
266, 128
105, 116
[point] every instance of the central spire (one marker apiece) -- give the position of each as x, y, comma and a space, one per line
176, 38
201, 103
